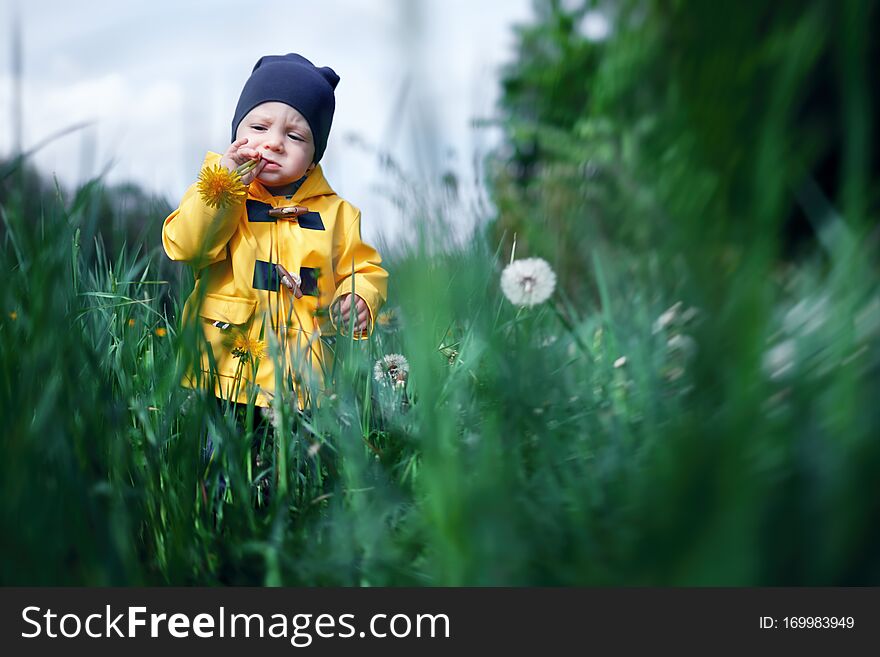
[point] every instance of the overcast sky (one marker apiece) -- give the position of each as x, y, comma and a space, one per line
160, 80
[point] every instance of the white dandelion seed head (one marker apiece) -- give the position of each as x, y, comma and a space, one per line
391, 369
188, 402
528, 282
780, 359
269, 414
594, 26
667, 317
675, 373
690, 314
807, 316
683, 344
620, 362
272, 415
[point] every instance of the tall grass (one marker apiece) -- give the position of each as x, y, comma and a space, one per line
609, 443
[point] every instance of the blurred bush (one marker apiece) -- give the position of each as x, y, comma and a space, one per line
681, 124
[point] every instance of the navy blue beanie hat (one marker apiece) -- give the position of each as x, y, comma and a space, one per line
294, 80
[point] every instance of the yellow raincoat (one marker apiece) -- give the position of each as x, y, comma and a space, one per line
233, 252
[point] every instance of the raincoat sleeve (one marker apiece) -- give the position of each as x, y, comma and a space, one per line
197, 233
358, 265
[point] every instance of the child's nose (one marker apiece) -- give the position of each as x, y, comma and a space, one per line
272, 142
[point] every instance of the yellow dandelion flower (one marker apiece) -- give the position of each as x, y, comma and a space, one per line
247, 349
13, 315
131, 322
161, 332
388, 319
219, 187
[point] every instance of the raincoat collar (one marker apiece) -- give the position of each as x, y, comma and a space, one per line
314, 185
292, 188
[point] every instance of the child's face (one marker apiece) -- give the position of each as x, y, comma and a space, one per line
284, 140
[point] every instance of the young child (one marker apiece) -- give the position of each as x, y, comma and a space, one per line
273, 261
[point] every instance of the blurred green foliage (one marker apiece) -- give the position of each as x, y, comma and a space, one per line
741, 104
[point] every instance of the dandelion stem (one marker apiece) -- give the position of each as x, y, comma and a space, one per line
246, 167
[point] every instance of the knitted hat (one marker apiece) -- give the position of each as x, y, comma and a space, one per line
294, 80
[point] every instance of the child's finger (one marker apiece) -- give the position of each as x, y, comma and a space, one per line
234, 148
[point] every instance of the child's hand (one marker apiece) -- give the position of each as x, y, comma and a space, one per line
237, 154
342, 313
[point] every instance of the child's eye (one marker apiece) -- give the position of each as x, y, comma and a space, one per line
258, 127
295, 137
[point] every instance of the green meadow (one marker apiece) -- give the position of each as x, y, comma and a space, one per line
695, 401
